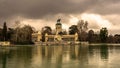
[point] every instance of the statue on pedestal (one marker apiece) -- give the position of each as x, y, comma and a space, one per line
58, 21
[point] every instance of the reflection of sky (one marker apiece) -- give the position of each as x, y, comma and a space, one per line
98, 60
114, 58
61, 57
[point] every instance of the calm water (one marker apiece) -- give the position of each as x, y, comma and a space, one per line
60, 57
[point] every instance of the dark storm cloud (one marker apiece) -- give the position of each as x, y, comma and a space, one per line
50, 10
106, 7
40, 8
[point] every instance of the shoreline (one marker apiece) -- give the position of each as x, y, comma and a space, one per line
92, 44
108, 44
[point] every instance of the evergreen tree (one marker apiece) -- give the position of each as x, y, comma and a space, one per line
103, 35
90, 36
73, 29
4, 32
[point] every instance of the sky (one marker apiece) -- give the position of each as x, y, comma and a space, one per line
40, 13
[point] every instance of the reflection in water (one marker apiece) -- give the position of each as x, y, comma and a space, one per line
4, 59
13, 57
59, 56
104, 52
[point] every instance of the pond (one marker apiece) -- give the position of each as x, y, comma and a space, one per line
74, 56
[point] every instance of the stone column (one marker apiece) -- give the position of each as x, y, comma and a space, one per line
46, 37
38, 36
76, 37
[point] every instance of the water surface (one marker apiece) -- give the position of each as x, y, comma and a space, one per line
79, 56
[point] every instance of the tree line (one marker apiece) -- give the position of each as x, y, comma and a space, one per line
18, 35
84, 34
23, 35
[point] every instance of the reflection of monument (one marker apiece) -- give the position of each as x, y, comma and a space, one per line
104, 51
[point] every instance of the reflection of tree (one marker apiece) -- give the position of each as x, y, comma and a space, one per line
83, 54
79, 53
73, 54
49, 53
104, 51
4, 60
23, 55
4, 56
45, 56
91, 50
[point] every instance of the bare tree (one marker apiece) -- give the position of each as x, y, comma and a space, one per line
23, 35
85, 26
80, 25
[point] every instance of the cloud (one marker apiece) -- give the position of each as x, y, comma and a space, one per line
45, 12
41, 8
96, 21
106, 7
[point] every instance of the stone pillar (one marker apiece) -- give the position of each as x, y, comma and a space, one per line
38, 36
76, 37
46, 37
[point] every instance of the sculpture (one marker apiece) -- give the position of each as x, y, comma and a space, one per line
58, 20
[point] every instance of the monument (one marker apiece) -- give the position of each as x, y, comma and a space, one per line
57, 37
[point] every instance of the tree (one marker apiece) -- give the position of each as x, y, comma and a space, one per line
4, 32
85, 26
27, 33
90, 36
64, 32
45, 30
73, 29
111, 39
82, 26
83, 36
17, 24
1, 37
10, 32
117, 38
103, 35
23, 35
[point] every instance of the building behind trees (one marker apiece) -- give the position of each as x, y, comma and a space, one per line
23, 35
